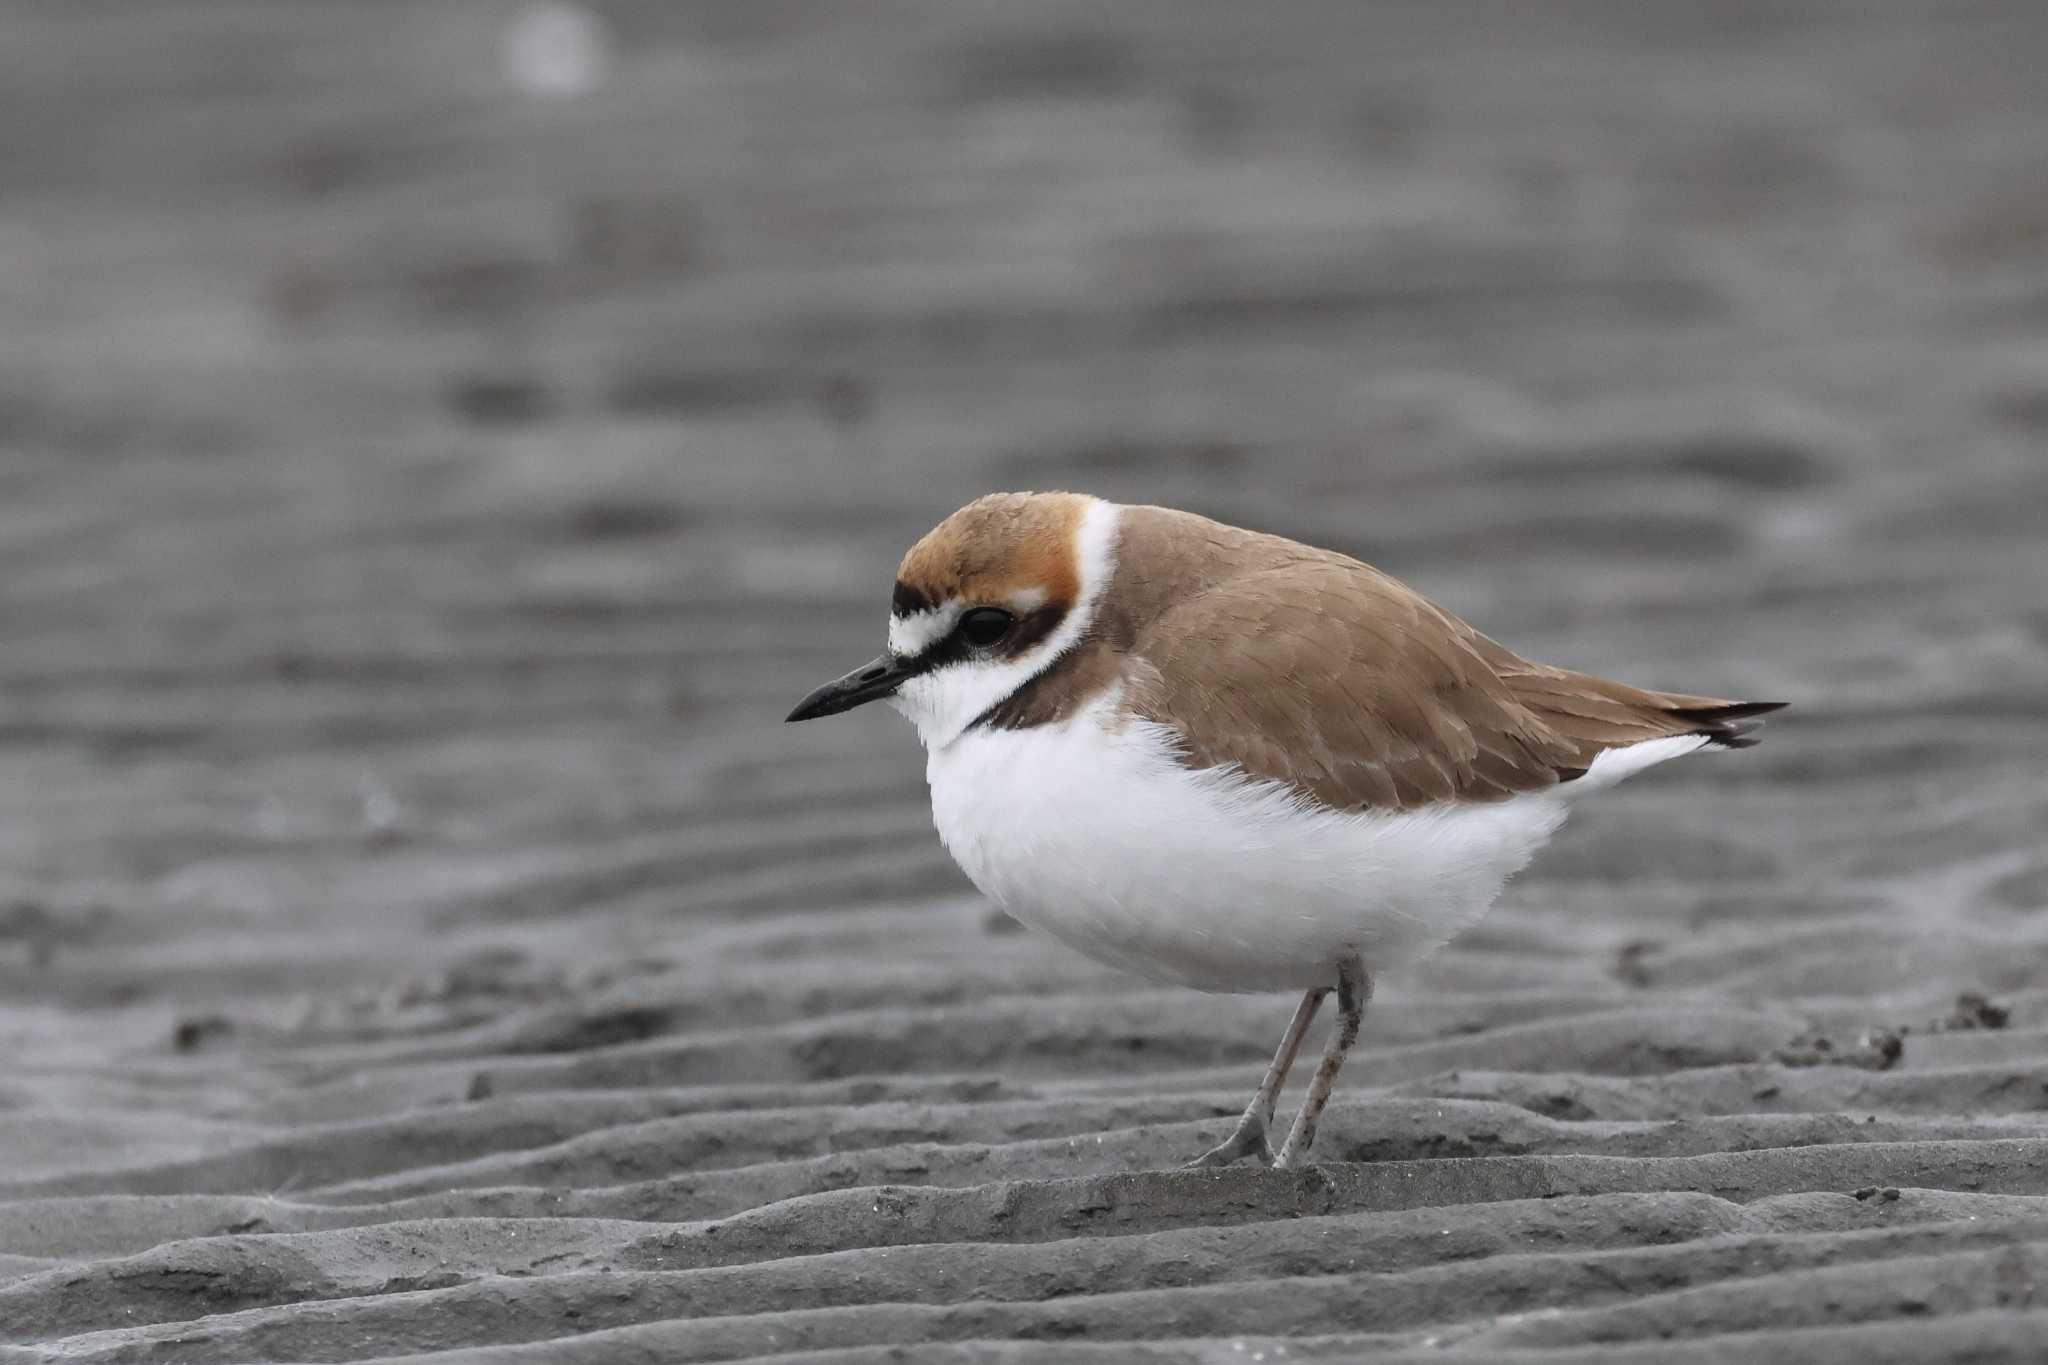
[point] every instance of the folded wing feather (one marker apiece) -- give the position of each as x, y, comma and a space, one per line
1343, 683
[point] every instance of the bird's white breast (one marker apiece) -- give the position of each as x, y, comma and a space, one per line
1093, 831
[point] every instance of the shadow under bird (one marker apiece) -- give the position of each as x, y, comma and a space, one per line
1233, 761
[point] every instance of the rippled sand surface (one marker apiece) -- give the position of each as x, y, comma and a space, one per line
420, 500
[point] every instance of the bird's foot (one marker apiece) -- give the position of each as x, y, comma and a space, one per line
1249, 1139
1294, 1151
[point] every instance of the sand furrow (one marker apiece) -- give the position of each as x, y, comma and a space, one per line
864, 1155
1207, 1281
1043, 1037
1991, 1337
1041, 1209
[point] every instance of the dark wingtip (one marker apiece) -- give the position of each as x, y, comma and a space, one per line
1724, 726
1734, 710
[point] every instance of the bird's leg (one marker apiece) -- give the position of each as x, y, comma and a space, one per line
1354, 989
1249, 1138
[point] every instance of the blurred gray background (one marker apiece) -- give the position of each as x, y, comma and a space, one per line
438, 441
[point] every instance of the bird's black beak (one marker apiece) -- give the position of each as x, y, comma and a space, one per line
870, 682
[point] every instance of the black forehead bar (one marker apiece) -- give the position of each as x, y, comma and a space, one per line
908, 601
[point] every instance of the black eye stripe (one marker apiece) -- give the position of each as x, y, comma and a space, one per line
1034, 626
1025, 633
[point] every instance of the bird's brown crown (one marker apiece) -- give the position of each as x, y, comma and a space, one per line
994, 549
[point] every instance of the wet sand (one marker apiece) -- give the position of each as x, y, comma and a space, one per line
420, 500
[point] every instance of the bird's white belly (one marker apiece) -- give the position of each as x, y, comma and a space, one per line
1095, 833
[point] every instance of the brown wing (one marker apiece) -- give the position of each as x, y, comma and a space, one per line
1329, 676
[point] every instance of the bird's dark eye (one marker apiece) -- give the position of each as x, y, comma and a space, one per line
984, 626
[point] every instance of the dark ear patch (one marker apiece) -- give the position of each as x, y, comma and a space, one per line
1033, 626
908, 601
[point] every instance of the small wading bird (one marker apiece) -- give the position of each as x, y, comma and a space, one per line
1232, 761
